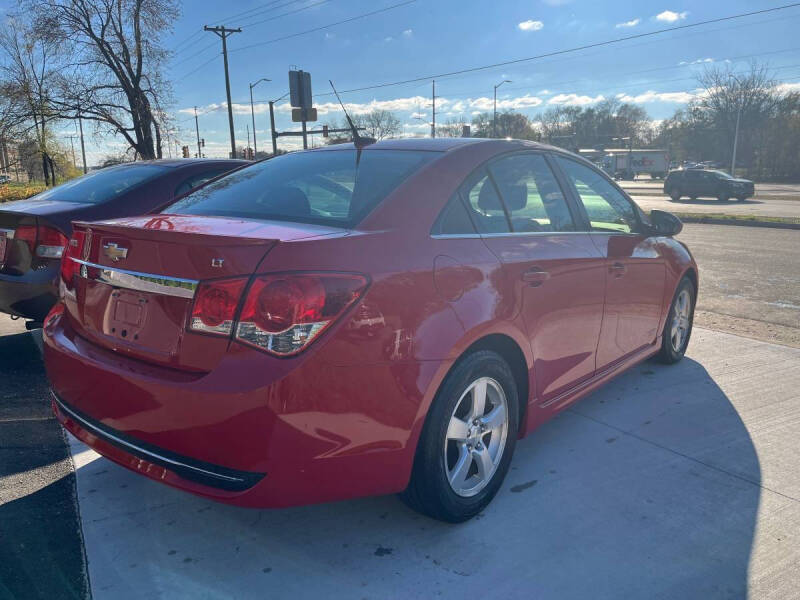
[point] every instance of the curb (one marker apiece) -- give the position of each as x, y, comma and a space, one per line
710, 220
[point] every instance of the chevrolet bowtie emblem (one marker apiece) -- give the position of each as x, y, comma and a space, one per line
114, 252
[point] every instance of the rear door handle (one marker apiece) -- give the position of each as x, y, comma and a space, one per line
617, 269
535, 276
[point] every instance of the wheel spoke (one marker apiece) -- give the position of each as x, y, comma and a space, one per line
478, 399
459, 473
457, 429
496, 418
484, 462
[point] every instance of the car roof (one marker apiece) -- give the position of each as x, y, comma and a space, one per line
442, 144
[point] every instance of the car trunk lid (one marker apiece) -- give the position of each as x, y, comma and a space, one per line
136, 278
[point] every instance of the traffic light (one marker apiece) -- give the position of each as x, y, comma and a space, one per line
325, 131
185, 151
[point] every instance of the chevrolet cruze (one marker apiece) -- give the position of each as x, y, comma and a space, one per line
365, 320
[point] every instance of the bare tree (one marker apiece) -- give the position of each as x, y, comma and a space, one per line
451, 128
116, 61
379, 124
29, 69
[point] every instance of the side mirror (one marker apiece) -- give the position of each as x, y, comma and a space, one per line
665, 223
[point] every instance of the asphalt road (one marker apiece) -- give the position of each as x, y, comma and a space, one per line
749, 280
669, 482
770, 200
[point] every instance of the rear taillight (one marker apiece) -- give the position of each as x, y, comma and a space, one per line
281, 314
68, 266
43, 241
215, 305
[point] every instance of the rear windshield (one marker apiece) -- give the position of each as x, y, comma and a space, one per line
326, 187
103, 185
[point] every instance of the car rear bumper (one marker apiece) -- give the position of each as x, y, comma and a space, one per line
30, 295
287, 432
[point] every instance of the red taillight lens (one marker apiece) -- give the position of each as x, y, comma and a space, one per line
282, 314
68, 266
43, 241
215, 304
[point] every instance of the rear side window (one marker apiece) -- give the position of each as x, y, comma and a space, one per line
484, 204
104, 185
454, 219
337, 187
531, 194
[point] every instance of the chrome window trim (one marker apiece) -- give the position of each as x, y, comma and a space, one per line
107, 435
446, 236
141, 282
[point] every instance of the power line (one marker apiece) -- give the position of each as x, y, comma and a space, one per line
350, 20
196, 69
291, 12
559, 52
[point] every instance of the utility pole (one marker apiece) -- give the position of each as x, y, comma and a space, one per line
433, 120
83, 148
272, 127
247, 149
253, 113
72, 146
197, 130
494, 115
736, 138
223, 33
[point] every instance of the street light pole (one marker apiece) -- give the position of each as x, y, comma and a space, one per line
253, 113
494, 115
736, 138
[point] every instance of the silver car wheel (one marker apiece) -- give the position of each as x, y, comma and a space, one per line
680, 320
476, 437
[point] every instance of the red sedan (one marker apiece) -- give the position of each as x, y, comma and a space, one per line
356, 321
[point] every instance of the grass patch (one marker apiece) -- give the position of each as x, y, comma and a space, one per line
723, 218
19, 191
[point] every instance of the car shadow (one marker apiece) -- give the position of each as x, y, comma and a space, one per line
648, 488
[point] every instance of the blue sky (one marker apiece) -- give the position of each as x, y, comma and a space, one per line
428, 37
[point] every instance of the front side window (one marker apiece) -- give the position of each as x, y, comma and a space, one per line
103, 185
330, 187
607, 208
531, 194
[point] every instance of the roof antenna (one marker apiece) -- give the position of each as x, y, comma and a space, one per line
358, 141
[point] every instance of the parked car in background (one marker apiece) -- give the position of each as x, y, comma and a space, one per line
33, 232
706, 183
4, 179
345, 322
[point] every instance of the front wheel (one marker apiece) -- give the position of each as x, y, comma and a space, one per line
723, 196
678, 326
467, 440
675, 195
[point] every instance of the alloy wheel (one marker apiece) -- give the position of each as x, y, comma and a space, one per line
476, 436
680, 320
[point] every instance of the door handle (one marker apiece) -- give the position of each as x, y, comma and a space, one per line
535, 276
617, 269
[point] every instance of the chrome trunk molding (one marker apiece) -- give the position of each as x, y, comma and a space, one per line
141, 282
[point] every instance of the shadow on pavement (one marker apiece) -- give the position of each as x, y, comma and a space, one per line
647, 489
41, 552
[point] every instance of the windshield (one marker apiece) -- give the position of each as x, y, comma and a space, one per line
324, 187
103, 185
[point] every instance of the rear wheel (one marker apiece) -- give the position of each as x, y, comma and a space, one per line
675, 195
467, 440
678, 326
723, 196
741, 198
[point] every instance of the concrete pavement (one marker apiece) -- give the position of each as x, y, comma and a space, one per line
671, 482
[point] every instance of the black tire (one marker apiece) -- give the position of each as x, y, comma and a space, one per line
723, 196
668, 353
429, 490
675, 195
741, 198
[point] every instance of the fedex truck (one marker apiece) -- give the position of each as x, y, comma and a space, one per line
627, 164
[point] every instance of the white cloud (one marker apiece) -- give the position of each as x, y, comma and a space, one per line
696, 62
669, 16
388, 39
575, 100
408, 33
785, 88
651, 96
544, 92
530, 25
631, 23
